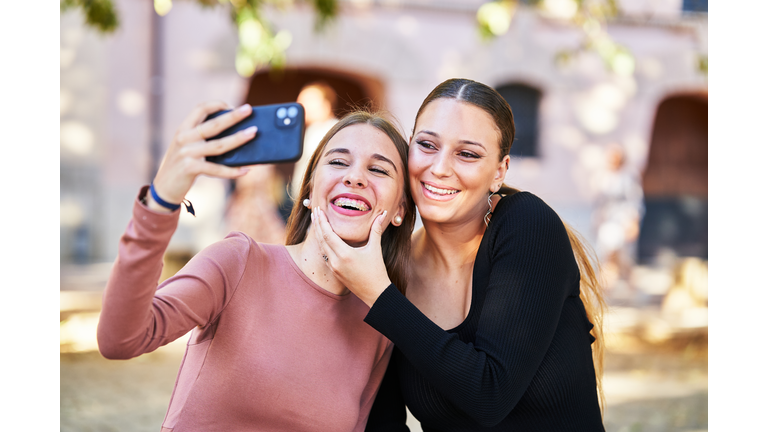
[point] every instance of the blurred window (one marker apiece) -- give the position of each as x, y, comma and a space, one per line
695, 5
524, 101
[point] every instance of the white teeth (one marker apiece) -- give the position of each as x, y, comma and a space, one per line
440, 191
348, 202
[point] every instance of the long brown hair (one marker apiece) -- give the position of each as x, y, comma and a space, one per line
591, 292
396, 240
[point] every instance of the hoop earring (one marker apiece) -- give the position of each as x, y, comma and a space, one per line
487, 217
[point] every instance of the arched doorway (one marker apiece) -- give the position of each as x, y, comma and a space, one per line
259, 203
353, 90
675, 181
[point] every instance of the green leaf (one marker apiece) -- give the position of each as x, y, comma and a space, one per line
99, 14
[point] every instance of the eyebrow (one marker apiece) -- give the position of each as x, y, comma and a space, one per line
436, 135
374, 156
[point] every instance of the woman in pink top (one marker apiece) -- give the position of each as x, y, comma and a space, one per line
277, 342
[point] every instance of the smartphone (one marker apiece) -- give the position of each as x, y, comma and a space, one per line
279, 137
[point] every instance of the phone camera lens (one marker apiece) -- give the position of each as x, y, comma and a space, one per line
292, 111
286, 121
281, 112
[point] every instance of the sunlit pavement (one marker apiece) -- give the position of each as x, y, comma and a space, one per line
655, 368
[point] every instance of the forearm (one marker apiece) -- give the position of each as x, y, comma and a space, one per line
127, 302
486, 378
480, 384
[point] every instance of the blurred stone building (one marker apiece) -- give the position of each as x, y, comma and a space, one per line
123, 95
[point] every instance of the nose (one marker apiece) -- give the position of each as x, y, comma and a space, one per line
441, 164
355, 178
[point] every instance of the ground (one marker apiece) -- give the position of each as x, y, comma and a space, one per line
649, 388
656, 369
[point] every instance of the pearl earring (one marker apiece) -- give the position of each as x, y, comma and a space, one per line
306, 202
398, 220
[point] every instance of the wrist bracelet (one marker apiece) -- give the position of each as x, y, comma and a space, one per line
169, 206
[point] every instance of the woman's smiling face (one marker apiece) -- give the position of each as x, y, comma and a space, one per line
358, 176
454, 161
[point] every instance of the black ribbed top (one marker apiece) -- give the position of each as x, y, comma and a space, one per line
520, 361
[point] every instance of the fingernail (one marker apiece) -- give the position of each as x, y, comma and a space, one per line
312, 216
249, 131
384, 214
245, 108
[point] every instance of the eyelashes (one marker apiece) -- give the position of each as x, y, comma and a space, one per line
374, 168
463, 153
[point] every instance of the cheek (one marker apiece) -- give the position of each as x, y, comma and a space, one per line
416, 164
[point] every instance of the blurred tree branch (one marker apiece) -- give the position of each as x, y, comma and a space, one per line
99, 14
259, 44
591, 16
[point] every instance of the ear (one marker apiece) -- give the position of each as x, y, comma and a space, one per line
399, 212
501, 173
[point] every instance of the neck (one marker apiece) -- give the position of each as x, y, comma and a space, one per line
309, 257
450, 245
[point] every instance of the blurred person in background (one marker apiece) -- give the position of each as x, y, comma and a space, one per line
277, 342
501, 325
260, 204
252, 206
319, 100
617, 215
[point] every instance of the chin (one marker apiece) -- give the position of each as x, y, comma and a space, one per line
436, 213
354, 239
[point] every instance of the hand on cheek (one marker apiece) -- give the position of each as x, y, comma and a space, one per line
360, 269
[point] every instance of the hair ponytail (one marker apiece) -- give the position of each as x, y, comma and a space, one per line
591, 294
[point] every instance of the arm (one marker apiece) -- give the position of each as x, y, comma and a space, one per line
530, 274
134, 318
388, 411
137, 316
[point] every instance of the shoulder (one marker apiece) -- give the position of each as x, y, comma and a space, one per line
238, 252
239, 244
522, 208
229, 254
524, 218
235, 243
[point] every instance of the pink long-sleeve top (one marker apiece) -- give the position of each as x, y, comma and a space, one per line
269, 350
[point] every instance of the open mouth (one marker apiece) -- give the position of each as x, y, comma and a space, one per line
440, 191
351, 204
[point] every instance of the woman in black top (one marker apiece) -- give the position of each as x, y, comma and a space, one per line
496, 330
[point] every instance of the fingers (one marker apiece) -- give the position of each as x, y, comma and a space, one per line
222, 171
377, 229
200, 113
223, 145
195, 128
215, 126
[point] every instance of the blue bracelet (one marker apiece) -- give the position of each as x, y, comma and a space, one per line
169, 206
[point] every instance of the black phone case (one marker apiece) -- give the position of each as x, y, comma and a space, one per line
277, 139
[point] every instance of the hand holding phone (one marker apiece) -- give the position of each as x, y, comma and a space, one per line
185, 158
279, 137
